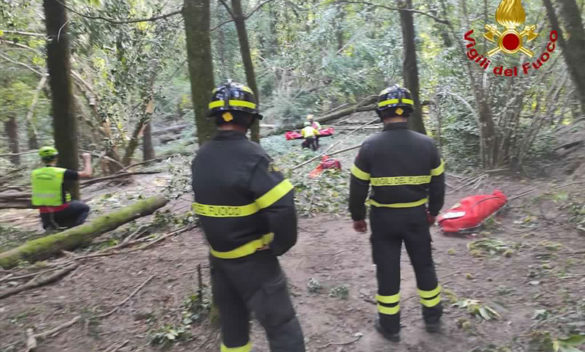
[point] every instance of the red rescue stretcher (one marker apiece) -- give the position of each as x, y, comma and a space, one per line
470, 212
325, 132
326, 163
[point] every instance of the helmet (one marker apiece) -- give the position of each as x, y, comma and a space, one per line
48, 153
232, 96
307, 123
310, 117
395, 101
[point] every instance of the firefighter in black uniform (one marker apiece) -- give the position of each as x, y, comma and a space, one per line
406, 174
248, 215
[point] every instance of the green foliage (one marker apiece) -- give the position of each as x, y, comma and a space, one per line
477, 309
491, 247
193, 310
314, 286
341, 292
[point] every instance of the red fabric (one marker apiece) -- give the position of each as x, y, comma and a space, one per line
471, 211
44, 210
326, 163
325, 132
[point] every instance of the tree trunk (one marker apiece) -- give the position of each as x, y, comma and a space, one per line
487, 131
31, 131
240, 22
147, 148
58, 55
339, 27
410, 67
138, 129
11, 129
48, 246
573, 46
196, 15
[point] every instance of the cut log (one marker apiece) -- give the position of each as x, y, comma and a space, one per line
45, 247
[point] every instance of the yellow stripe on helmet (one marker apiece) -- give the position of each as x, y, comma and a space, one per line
242, 103
216, 104
395, 101
237, 103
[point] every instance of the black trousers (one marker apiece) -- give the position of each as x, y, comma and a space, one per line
310, 142
74, 215
254, 284
390, 228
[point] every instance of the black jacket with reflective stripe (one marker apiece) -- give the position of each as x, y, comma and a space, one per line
402, 166
230, 170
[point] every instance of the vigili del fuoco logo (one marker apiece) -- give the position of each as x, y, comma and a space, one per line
510, 15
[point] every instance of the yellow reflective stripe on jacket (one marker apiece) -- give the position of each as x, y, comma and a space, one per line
244, 250
430, 303
400, 180
233, 211
225, 211
388, 310
388, 299
429, 294
395, 101
362, 175
246, 348
397, 205
272, 196
241, 103
439, 169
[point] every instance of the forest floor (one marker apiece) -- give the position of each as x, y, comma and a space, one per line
531, 273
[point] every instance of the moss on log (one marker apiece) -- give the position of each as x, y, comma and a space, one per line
45, 247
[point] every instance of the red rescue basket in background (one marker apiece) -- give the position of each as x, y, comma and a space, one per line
471, 211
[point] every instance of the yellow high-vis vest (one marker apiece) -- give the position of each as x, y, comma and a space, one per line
47, 187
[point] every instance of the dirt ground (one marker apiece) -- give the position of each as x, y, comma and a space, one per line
543, 274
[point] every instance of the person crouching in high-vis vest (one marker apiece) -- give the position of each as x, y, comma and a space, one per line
56, 208
247, 213
316, 125
310, 135
406, 174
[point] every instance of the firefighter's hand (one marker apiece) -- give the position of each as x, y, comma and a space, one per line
86, 156
431, 219
360, 226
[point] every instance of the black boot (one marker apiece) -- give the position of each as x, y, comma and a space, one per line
432, 318
394, 337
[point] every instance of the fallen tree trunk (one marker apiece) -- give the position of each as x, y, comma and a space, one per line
45, 247
365, 105
175, 129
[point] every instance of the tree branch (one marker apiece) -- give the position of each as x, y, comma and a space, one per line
6, 58
258, 7
123, 21
228, 9
29, 34
440, 20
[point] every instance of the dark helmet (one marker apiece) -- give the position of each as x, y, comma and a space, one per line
232, 96
395, 101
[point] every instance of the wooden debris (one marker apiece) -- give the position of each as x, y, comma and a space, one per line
38, 281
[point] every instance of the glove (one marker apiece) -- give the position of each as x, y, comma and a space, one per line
430, 219
360, 226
